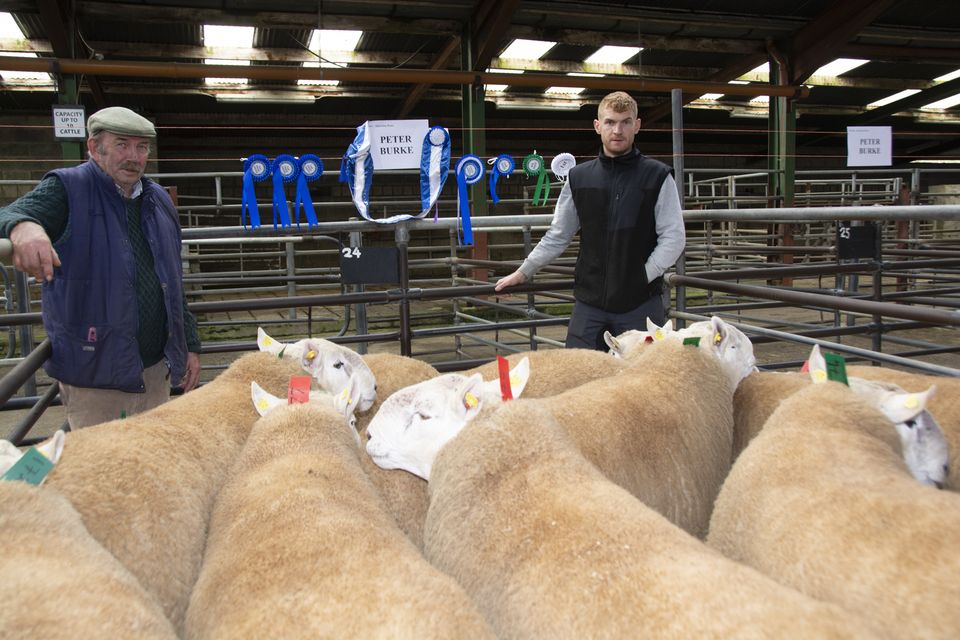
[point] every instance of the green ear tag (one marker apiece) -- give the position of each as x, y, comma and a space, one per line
693, 340
280, 355
33, 467
836, 368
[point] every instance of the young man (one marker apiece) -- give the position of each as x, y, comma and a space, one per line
628, 213
105, 243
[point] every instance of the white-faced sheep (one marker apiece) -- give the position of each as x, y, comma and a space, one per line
331, 365
662, 428
300, 546
822, 501
404, 494
144, 485
56, 581
555, 370
550, 548
757, 396
944, 405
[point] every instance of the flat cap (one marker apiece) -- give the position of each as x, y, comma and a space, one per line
121, 121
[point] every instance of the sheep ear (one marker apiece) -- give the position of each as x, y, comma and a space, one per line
469, 397
817, 365
266, 343
53, 448
519, 376
346, 401
263, 401
612, 344
658, 332
900, 407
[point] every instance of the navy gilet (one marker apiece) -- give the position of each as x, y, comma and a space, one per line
90, 307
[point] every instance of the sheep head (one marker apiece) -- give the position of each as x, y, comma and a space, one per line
344, 402
413, 424
330, 364
921, 439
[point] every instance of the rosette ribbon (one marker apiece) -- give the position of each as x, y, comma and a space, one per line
469, 171
311, 168
256, 168
285, 169
502, 166
356, 169
561, 165
535, 167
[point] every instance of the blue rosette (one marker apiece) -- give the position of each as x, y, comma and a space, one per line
469, 171
310, 169
256, 168
285, 169
503, 165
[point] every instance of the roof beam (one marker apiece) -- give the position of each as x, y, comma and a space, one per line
819, 41
415, 93
61, 40
938, 92
488, 35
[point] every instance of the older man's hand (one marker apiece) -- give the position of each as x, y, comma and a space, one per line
33, 253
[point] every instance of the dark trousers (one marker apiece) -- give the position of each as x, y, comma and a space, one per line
587, 323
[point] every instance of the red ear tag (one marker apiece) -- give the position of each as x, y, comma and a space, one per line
806, 367
504, 368
648, 339
298, 390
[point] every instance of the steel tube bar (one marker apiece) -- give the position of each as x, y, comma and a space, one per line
933, 316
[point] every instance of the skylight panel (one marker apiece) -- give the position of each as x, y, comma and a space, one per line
717, 96
953, 75
216, 35
521, 49
946, 103
325, 42
882, 102
564, 91
10, 30
611, 54
839, 67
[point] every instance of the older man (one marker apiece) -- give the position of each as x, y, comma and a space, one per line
105, 242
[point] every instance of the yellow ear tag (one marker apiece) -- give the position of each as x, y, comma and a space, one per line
658, 335
514, 380
345, 396
819, 375
717, 338
911, 402
470, 401
267, 341
263, 404
311, 355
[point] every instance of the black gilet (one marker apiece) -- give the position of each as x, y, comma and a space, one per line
615, 200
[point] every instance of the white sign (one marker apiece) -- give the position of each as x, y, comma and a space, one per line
396, 144
869, 147
69, 122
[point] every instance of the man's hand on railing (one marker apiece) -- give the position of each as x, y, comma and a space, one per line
33, 253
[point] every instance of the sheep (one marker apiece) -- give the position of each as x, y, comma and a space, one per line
300, 546
547, 547
662, 428
715, 336
756, 397
555, 370
822, 501
144, 485
56, 581
944, 405
51, 450
329, 363
405, 494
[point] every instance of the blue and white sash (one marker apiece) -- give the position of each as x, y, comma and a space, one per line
356, 169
